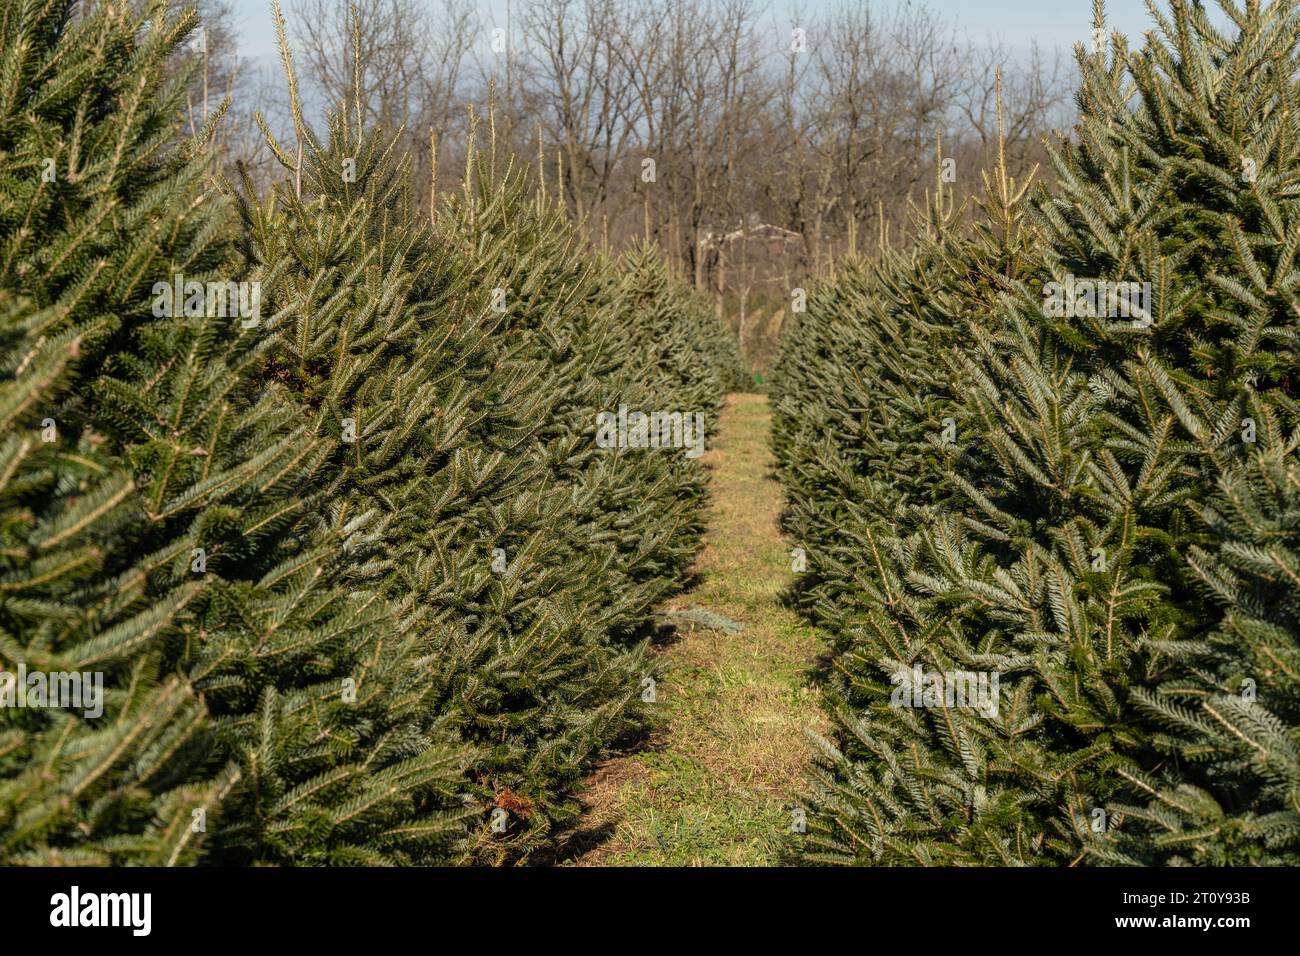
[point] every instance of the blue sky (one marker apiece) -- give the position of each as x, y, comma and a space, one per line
1053, 23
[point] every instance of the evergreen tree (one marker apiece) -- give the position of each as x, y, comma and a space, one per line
471, 357
97, 203
1086, 443
878, 463
1231, 718
346, 550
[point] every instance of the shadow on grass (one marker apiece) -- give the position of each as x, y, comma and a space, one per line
573, 841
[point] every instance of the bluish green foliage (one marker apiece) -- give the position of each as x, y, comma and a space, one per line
1070, 531
358, 575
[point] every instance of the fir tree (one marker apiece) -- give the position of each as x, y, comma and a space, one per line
98, 203
1231, 717
1055, 552
354, 567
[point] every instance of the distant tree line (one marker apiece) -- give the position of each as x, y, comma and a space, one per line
753, 147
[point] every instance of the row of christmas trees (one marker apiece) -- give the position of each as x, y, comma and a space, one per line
1053, 460
360, 582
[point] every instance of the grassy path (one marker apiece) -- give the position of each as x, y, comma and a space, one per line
715, 786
